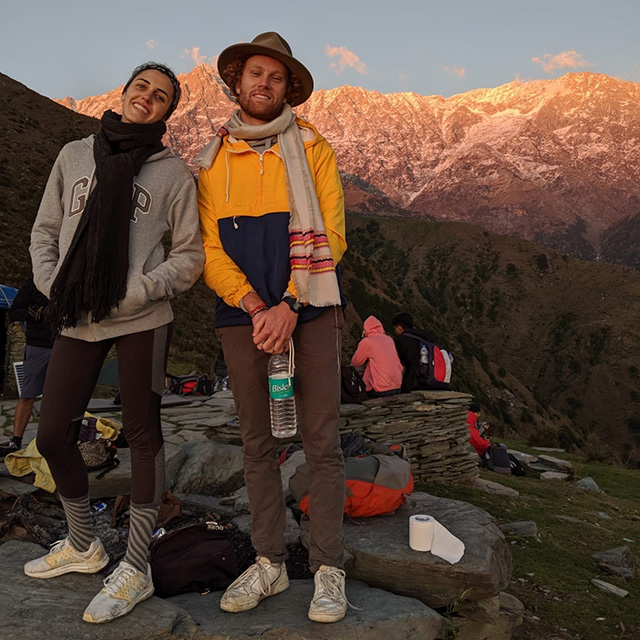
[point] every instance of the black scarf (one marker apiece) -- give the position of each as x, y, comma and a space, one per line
93, 276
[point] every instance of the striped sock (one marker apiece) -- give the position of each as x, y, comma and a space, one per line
142, 520
78, 514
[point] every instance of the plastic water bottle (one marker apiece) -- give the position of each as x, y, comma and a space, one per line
424, 354
282, 402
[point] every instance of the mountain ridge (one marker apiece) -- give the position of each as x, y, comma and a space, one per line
554, 161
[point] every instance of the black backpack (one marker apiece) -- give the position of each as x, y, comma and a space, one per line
434, 365
199, 557
497, 459
353, 390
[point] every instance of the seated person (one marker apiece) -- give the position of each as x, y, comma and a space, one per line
408, 347
377, 353
477, 430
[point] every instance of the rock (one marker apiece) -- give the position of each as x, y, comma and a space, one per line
569, 519
618, 562
213, 505
383, 616
494, 487
16, 485
118, 481
549, 449
600, 514
554, 475
53, 608
524, 529
523, 458
382, 558
210, 468
609, 588
587, 484
291, 530
491, 619
556, 463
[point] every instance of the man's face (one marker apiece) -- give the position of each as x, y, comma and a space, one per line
398, 329
261, 89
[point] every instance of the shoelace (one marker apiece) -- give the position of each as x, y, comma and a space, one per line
331, 586
114, 582
57, 546
263, 578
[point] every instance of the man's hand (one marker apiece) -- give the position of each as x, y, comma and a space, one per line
273, 328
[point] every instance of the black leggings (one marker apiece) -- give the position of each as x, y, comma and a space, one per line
71, 378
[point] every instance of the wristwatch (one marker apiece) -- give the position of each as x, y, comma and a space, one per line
294, 304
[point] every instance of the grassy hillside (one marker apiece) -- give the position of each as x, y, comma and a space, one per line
552, 574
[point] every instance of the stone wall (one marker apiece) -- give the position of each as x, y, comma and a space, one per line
15, 353
431, 425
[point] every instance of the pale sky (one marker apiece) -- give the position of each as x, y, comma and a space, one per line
78, 48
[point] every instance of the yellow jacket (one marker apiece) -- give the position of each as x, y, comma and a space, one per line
244, 219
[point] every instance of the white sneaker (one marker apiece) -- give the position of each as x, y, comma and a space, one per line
259, 581
63, 558
329, 602
122, 591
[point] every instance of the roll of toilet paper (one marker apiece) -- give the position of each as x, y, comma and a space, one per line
427, 534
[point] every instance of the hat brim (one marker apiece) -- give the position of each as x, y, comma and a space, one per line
244, 50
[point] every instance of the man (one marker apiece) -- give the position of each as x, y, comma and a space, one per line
272, 218
408, 345
28, 307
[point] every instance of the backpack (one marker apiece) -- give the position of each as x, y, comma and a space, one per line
376, 485
352, 387
517, 469
199, 557
189, 384
434, 366
497, 459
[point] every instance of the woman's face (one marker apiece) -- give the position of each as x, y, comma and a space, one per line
148, 98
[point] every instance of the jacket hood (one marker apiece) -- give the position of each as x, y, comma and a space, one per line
373, 326
165, 153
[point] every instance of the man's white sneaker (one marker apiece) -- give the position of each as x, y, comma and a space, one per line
63, 558
259, 581
329, 602
122, 591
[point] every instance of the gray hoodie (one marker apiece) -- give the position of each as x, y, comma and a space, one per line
164, 201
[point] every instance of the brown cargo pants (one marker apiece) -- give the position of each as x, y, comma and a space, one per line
317, 388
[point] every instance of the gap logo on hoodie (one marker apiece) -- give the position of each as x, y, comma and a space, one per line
80, 189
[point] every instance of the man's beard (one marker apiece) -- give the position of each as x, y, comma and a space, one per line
267, 112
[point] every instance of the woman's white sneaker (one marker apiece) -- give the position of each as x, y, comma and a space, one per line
259, 581
122, 591
63, 558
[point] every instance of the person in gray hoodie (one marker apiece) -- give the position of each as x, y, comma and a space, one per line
97, 254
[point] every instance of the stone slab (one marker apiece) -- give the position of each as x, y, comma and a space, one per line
556, 463
35, 609
383, 616
494, 487
17, 485
523, 529
381, 556
607, 587
554, 475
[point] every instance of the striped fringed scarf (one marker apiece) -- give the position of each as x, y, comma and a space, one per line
312, 267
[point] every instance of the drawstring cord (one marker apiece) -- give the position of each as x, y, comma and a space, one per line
292, 364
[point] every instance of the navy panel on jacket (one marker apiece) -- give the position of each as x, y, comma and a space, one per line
260, 248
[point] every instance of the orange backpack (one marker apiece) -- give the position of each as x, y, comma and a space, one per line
376, 484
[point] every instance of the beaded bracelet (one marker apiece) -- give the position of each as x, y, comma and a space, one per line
258, 309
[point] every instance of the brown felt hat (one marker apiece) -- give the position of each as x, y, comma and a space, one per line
273, 45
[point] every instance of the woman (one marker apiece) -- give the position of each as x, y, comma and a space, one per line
377, 353
97, 254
